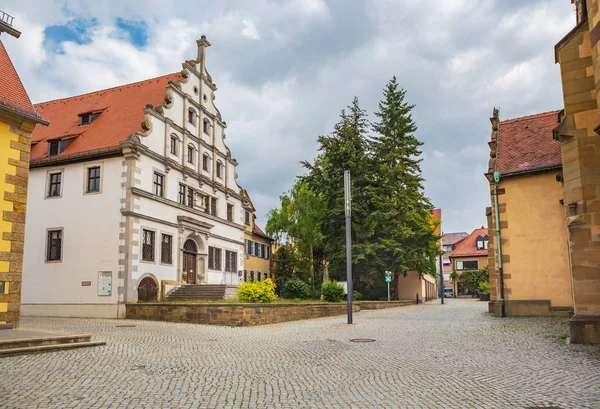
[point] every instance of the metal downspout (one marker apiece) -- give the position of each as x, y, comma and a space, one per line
498, 239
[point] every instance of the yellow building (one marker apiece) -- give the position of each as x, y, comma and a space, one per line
258, 246
579, 137
471, 253
18, 118
526, 195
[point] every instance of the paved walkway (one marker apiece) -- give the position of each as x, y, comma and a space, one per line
426, 356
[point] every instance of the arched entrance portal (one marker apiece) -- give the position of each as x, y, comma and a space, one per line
147, 290
190, 253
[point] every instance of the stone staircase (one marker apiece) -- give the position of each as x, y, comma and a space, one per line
20, 342
209, 292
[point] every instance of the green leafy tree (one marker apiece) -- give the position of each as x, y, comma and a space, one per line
405, 234
299, 219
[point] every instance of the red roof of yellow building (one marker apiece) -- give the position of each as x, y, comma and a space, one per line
120, 114
526, 144
12, 93
468, 247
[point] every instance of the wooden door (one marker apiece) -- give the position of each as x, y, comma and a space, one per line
189, 266
147, 290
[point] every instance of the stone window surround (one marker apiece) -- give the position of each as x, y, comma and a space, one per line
47, 184
62, 245
86, 174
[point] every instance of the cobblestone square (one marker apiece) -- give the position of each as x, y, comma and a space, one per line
426, 356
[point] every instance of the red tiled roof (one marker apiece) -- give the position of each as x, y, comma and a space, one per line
468, 247
258, 230
526, 144
121, 113
454, 238
12, 92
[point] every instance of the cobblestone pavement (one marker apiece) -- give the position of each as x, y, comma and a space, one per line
426, 356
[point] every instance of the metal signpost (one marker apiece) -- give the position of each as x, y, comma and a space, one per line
388, 280
348, 243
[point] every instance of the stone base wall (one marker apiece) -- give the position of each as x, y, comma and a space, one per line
529, 308
378, 305
585, 329
247, 314
74, 310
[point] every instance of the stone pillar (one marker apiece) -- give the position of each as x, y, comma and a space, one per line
15, 145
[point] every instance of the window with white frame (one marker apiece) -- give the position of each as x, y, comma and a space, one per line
467, 265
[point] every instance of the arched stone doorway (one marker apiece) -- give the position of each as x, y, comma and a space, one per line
190, 266
147, 290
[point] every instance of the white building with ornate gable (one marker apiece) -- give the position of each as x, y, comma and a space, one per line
131, 187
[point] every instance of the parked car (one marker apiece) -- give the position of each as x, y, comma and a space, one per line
447, 292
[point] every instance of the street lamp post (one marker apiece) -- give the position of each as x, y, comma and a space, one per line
348, 243
442, 294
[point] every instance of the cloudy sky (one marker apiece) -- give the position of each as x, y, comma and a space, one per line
286, 68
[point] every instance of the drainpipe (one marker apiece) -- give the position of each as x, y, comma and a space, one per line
498, 238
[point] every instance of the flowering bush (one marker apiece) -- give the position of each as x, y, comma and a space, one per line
257, 291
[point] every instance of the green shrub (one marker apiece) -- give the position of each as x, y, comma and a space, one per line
258, 291
356, 296
295, 288
297, 300
484, 287
332, 292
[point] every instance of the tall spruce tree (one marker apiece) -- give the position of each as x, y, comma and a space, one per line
405, 235
346, 148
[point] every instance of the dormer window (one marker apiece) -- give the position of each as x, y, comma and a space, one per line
482, 242
192, 116
57, 146
53, 148
87, 118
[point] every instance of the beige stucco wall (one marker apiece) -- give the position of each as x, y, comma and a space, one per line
534, 243
413, 284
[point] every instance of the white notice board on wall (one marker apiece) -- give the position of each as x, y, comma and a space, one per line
104, 282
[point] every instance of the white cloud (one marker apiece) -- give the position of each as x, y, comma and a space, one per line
457, 61
249, 31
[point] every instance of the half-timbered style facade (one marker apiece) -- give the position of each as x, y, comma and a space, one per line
130, 188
